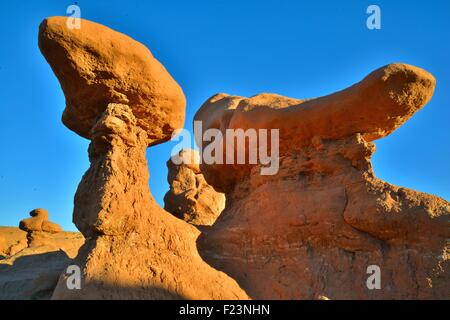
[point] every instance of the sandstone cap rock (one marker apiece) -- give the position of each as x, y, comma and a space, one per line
39, 222
190, 198
96, 65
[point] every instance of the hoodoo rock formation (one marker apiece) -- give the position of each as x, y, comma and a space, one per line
32, 259
12, 240
315, 227
123, 100
39, 222
190, 198
40, 232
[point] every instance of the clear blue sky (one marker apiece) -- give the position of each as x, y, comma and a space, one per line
294, 48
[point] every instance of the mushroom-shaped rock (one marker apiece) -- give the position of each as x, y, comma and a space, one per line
316, 226
373, 107
3, 247
190, 198
96, 65
39, 222
124, 100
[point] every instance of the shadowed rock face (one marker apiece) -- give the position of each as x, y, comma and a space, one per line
31, 274
190, 198
134, 249
97, 66
312, 229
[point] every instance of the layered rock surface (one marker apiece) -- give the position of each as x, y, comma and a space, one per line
190, 198
134, 249
314, 228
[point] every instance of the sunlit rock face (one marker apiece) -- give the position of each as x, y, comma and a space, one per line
39, 222
123, 100
96, 65
31, 261
317, 226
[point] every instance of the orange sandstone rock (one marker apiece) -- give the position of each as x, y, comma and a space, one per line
96, 65
374, 107
121, 98
39, 222
190, 198
315, 227
32, 262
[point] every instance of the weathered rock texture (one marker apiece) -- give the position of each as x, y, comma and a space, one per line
30, 268
134, 249
39, 222
190, 198
16, 240
312, 229
12, 240
96, 66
